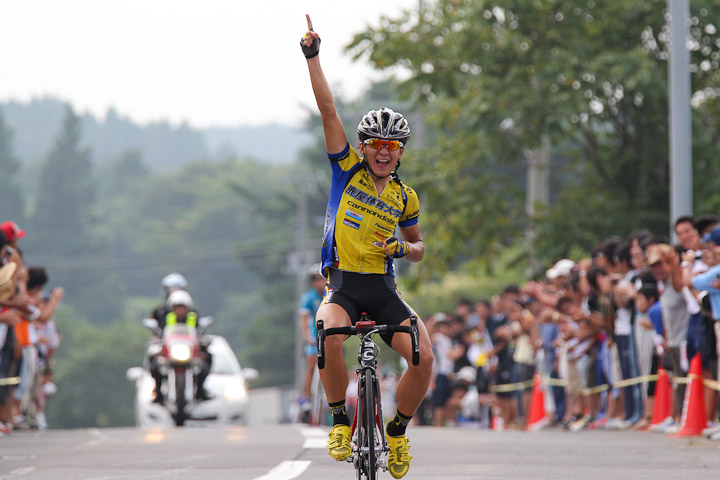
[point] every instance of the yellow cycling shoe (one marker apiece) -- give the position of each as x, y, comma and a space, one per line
338, 443
399, 456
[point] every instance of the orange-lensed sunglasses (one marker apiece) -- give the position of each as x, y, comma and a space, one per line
377, 144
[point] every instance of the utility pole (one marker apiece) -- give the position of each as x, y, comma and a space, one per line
537, 192
679, 113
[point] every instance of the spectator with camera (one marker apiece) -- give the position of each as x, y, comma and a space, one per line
622, 295
701, 334
8, 350
707, 287
12, 233
665, 264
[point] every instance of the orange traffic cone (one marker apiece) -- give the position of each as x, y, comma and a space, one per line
694, 417
663, 396
536, 418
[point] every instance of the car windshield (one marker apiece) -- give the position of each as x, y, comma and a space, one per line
223, 364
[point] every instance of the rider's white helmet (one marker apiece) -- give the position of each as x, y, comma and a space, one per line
173, 281
179, 297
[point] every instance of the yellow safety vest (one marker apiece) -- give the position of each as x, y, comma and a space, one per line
190, 320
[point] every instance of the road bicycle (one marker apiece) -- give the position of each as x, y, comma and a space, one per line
369, 445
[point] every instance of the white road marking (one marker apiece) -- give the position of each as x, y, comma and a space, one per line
313, 432
177, 472
18, 472
315, 443
100, 437
314, 437
286, 470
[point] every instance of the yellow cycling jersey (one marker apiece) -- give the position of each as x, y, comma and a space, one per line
358, 219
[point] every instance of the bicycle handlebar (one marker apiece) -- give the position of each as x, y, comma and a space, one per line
362, 328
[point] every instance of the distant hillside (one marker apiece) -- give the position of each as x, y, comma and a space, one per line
161, 144
275, 142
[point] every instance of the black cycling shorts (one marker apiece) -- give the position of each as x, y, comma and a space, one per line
373, 293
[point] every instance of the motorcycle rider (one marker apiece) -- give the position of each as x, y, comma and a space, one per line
180, 304
179, 307
170, 283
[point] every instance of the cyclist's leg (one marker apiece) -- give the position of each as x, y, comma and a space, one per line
414, 383
334, 376
386, 306
411, 390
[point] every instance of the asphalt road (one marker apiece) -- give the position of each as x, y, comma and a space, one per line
284, 452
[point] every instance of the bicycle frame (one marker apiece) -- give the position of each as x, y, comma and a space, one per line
369, 443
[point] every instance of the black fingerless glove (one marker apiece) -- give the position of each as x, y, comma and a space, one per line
312, 50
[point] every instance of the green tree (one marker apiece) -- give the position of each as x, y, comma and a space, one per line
121, 174
497, 78
64, 218
12, 204
270, 341
63, 233
90, 373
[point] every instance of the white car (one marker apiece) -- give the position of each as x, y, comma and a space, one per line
226, 383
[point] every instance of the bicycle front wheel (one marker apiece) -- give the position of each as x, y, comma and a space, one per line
317, 401
369, 407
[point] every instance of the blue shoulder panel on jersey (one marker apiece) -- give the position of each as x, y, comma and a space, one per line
337, 187
409, 223
341, 155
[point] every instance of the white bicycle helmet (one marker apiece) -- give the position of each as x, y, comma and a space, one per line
179, 297
384, 123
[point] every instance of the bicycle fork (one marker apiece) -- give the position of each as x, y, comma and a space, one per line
367, 360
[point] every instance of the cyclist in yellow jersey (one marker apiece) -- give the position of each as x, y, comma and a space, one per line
367, 203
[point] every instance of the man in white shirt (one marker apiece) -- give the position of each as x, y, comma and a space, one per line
665, 264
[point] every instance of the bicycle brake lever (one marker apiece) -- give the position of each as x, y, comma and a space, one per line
415, 337
321, 344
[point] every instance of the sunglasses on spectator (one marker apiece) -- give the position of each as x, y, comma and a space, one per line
377, 144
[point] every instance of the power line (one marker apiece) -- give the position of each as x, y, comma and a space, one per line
67, 266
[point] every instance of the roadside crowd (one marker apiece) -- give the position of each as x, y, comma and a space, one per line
28, 336
632, 306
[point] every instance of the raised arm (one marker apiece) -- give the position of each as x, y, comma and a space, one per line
49, 310
335, 139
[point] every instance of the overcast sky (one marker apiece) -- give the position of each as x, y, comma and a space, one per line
207, 62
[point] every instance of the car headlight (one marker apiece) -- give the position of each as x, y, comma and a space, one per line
235, 392
180, 353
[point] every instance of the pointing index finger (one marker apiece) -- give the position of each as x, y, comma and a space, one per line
307, 16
